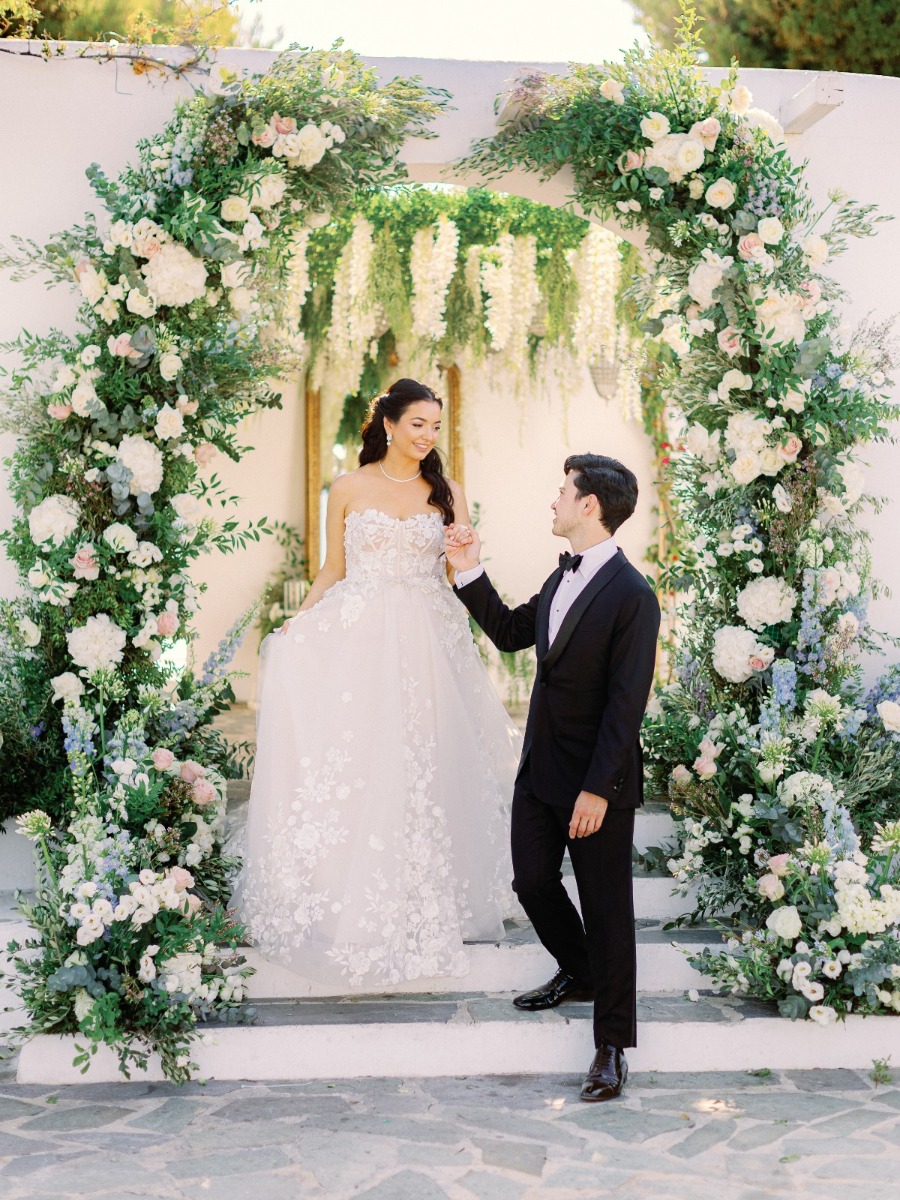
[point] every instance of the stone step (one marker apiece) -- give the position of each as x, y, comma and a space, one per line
465, 1034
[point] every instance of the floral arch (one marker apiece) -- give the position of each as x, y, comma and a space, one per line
781, 767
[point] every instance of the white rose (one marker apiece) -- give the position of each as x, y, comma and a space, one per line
689, 155
739, 99
96, 645
815, 248
140, 303
169, 423
235, 274
770, 230
121, 537
720, 194
746, 467
312, 145
889, 711
793, 401
37, 576
766, 601
145, 462
267, 191
734, 380
706, 277
654, 126
758, 118
187, 507
234, 208
67, 687
84, 399
174, 276
785, 922
614, 90
54, 520
169, 366
31, 634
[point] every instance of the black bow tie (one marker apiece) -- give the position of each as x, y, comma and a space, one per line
570, 562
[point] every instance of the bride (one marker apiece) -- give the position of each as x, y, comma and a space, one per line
376, 841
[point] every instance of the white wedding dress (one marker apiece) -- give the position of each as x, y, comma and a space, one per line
377, 837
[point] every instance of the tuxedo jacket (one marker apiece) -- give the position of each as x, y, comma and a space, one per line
592, 684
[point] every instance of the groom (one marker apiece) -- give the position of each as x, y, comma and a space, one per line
594, 624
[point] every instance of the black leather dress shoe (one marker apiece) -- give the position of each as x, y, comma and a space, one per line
607, 1075
561, 987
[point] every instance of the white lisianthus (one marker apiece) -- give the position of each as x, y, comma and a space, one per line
766, 601
169, 423
782, 500
121, 538
144, 461
174, 276
720, 194
169, 365
145, 554
613, 89
67, 687
770, 230
785, 922
29, 632
96, 645
54, 520
655, 126
822, 1014
93, 283
703, 444
889, 711
234, 208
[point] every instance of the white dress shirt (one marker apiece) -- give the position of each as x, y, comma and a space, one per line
570, 586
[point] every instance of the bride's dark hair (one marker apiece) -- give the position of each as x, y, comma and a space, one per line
393, 404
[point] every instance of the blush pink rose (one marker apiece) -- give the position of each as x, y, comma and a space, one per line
778, 864
759, 662
790, 448
681, 774
180, 877
121, 347
284, 124
630, 161
705, 767
205, 453
81, 267
186, 407
59, 412
203, 792
191, 771
730, 341
84, 563
707, 132
770, 887
192, 905
167, 623
810, 294
162, 758
264, 139
750, 246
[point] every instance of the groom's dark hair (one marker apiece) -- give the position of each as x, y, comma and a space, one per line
615, 487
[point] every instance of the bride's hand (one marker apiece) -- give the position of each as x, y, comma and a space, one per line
462, 547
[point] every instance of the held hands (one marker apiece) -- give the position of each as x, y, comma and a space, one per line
588, 814
462, 546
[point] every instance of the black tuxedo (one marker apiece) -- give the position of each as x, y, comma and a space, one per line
582, 734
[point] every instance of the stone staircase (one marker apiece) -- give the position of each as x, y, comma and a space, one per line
468, 1025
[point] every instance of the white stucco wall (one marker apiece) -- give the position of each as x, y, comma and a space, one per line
96, 113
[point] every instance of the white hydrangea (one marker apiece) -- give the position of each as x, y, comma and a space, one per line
174, 276
96, 645
121, 538
144, 461
54, 520
737, 653
766, 601
785, 922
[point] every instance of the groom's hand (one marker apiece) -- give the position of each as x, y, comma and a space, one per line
462, 546
588, 814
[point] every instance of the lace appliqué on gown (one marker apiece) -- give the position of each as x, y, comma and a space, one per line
377, 836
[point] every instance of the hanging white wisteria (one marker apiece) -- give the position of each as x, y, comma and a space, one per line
354, 315
595, 265
432, 262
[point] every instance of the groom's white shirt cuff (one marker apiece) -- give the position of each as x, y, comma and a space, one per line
465, 577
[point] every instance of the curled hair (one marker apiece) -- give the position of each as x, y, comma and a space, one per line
615, 487
393, 404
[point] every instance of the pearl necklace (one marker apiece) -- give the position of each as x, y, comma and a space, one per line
394, 480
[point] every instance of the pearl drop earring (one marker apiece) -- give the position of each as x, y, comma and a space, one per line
390, 438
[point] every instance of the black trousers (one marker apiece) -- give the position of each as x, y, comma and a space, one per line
599, 950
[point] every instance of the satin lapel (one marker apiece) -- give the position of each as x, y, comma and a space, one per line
542, 632
606, 573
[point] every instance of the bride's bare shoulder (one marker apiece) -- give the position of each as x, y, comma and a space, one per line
345, 487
